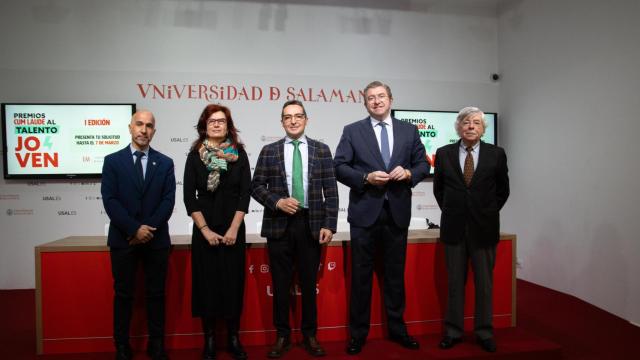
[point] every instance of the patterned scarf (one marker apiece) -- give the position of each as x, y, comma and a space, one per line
216, 159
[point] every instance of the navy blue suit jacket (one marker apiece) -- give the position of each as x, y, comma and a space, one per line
358, 154
130, 205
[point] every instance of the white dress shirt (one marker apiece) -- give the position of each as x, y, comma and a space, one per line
143, 160
377, 129
288, 165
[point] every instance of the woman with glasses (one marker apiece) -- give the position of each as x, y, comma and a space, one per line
217, 178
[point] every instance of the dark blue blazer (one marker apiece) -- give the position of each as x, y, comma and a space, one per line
130, 204
358, 153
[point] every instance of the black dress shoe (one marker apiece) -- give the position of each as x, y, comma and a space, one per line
488, 345
281, 346
312, 346
123, 352
354, 346
448, 342
408, 342
208, 330
235, 348
209, 351
155, 350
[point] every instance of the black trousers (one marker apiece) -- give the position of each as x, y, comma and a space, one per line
482, 261
392, 241
296, 246
124, 263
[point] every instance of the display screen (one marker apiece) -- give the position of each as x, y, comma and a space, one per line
49, 141
437, 128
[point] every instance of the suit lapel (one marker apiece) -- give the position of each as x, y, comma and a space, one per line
129, 165
370, 141
281, 167
397, 143
454, 157
311, 148
483, 161
152, 165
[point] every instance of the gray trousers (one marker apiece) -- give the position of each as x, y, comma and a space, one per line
482, 260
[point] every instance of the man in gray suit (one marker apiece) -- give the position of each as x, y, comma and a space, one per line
470, 185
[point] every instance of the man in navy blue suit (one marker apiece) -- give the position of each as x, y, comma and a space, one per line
138, 192
380, 159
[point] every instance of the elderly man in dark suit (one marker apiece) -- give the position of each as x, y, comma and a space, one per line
471, 185
138, 192
380, 158
294, 180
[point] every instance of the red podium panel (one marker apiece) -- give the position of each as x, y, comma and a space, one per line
74, 294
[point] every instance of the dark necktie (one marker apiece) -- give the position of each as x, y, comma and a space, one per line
297, 188
384, 144
138, 166
468, 166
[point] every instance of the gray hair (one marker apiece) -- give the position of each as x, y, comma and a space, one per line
465, 113
375, 84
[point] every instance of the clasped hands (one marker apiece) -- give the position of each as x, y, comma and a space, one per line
215, 239
143, 235
380, 178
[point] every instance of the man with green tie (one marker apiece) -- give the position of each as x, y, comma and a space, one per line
294, 179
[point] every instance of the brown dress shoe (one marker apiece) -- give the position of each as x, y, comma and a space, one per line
312, 346
281, 346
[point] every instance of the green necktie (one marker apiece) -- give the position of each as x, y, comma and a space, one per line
297, 188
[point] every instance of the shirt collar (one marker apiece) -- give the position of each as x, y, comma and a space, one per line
133, 150
302, 139
387, 121
474, 148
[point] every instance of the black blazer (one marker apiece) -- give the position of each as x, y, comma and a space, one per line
218, 207
476, 207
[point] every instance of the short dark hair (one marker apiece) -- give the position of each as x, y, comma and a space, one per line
375, 84
293, 102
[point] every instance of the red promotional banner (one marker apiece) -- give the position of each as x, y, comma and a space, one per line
75, 296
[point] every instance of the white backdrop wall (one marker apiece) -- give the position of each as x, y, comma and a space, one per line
97, 51
569, 100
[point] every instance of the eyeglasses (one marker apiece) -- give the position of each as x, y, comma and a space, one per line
380, 97
298, 117
216, 121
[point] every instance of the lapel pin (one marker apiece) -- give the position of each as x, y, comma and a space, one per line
153, 163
